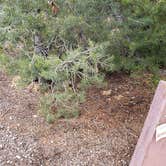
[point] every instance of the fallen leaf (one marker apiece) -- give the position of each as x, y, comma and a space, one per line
33, 87
107, 93
15, 81
118, 97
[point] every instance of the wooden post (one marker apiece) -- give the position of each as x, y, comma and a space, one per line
148, 152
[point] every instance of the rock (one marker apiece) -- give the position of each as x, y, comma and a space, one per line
18, 157
1, 147
1, 127
9, 162
35, 116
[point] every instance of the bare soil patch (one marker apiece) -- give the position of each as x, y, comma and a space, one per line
105, 133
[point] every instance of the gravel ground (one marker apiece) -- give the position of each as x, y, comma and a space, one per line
105, 134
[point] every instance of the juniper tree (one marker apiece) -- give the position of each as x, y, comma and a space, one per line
83, 40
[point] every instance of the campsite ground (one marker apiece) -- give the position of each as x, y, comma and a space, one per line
105, 133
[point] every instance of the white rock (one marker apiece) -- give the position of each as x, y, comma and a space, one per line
18, 157
1, 146
1, 127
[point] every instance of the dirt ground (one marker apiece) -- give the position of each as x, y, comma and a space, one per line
104, 135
